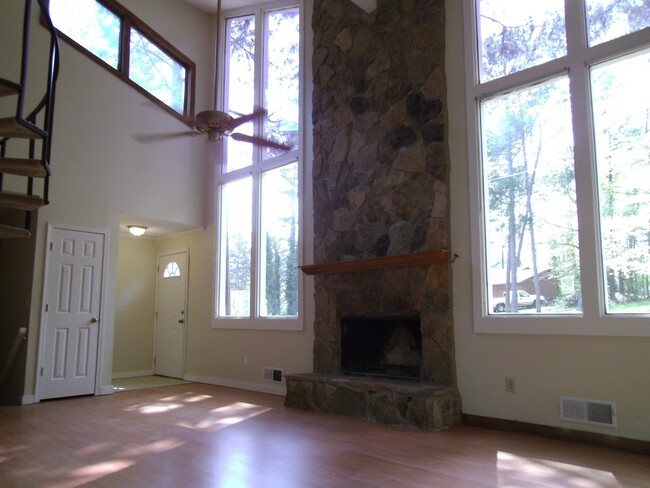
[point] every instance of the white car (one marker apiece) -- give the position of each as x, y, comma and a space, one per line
525, 300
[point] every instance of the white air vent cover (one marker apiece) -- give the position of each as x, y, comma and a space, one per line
273, 374
597, 412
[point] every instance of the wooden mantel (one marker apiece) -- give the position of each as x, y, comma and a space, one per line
382, 262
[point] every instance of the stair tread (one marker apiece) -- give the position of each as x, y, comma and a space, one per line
23, 167
8, 88
7, 231
9, 127
20, 201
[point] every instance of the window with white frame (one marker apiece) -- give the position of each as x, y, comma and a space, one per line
559, 119
258, 187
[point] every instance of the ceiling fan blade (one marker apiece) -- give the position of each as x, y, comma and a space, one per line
165, 135
259, 141
259, 112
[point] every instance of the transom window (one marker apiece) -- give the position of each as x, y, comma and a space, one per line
560, 123
258, 200
120, 42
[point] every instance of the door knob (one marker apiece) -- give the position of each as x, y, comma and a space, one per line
181, 321
93, 320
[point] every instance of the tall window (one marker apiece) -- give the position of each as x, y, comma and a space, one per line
258, 204
560, 121
128, 48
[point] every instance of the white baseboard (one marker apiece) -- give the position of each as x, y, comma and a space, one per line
105, 390
28, 399
132, 374
280, 390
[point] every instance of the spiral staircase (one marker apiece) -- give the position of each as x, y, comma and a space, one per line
26, 136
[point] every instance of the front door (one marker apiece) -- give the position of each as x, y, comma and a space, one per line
171, 314
73, 291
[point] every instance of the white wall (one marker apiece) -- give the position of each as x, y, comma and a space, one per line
544, 367
100, 171
135, 298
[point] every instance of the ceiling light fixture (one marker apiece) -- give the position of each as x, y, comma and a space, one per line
137, 230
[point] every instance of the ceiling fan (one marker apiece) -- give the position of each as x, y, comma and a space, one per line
216, 125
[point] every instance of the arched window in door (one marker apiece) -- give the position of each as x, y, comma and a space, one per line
171, 270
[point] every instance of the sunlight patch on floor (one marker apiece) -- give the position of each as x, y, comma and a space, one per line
226, 416
149, 408
156, 447
93, 472
511, 466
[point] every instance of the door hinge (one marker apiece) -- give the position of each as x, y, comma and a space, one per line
41, 370
47, 307
51, 246
154, 362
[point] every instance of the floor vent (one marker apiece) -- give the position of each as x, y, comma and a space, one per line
273, 374
597, 412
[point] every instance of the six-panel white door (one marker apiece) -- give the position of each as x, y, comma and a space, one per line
72, 311
171, 314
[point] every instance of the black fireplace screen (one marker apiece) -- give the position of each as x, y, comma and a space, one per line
382, 347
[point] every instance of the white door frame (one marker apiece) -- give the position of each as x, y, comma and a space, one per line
185, 250
100, 336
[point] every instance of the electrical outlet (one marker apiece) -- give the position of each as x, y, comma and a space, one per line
510, 384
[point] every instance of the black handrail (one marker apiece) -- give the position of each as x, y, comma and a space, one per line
47, 101
51, 92
46, 104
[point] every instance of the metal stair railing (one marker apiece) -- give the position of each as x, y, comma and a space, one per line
45, 105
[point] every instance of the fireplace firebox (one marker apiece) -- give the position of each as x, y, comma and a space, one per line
382, 347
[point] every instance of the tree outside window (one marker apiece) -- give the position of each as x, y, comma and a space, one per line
563, 131
128, 48
259, 187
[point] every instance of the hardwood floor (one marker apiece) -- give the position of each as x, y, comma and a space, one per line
198, 435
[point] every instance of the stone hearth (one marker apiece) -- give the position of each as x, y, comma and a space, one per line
381, 182
423, 406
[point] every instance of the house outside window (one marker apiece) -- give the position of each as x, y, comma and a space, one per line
124, 45
258, 234
559, 129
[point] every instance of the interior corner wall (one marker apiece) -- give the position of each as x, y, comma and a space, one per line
544, 366
135, 298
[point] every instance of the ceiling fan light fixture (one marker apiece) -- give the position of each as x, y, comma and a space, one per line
137, 230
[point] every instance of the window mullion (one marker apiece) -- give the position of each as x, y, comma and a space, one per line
584, 157
256, 246
260, 32
586, 193
125, 48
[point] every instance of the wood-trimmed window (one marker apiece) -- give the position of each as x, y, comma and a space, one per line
120, 42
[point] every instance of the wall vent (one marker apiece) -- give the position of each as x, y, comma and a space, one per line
273, 374
596, 412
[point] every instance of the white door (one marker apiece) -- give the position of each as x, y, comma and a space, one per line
73, 292
171, 314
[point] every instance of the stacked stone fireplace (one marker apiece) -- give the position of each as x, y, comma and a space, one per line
380, 182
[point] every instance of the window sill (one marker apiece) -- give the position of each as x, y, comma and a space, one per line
290, 324
579, 325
